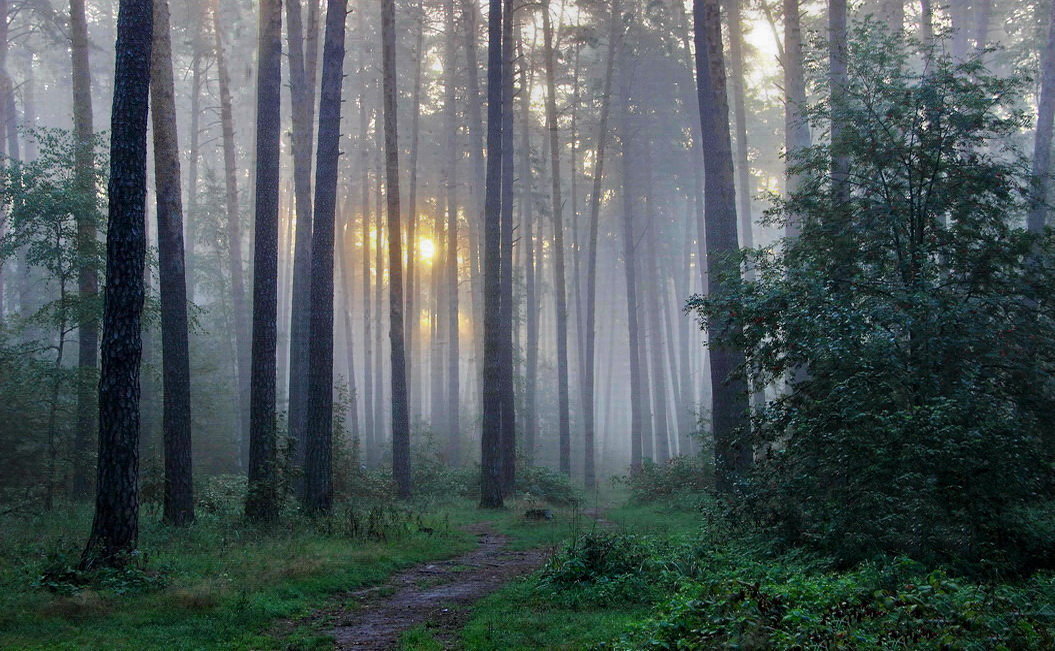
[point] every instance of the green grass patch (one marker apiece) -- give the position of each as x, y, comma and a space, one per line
217, 584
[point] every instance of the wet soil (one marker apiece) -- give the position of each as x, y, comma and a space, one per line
436, 594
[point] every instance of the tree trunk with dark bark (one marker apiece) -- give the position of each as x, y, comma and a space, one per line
491, 441
729, 395
262, 500
318, 462
115, 528
509, 442
175, 353
450, 67
400, 408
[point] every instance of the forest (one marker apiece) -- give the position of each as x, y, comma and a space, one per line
517, 324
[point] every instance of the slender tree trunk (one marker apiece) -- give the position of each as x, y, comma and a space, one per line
318, 467
451, 184
411, 313
491, 441
234, 247
983, 16
736, 86
349, 333
368, 350
476, 216
179, 488
1042, 143
729, 397
509, 443
838, 80
400, 408
302, 107
531, 301
115, 528
796, 129
615, 33
262, 500
191, 214
563, 407
379, 276
87, 278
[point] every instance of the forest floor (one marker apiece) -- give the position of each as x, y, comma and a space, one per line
436, 595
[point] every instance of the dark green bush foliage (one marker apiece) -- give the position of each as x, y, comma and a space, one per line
602, 567
917, 323
135, 575
788, 603
682, 474
545, 484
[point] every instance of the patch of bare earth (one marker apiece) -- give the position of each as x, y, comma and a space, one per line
434, 594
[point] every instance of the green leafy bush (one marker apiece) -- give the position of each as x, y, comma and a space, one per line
787, 603
680, 475
602, 567
916, 322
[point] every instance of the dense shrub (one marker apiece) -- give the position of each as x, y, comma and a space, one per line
788, 604
601, 567
681, 475
916, 322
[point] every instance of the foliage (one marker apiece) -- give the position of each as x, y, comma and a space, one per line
915, 323
545, 484
788, 602
679, 475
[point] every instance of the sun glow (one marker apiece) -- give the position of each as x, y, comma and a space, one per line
426, 249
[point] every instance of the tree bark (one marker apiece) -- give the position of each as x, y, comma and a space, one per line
115, 528
796, 129
175, 353
87, 277
451, 188
234, 246
400, 408
262, 500
302, 110
491, 440
318, 466
506, 304
1042, 140
729, 397
615, 33
531, 300
411, 313
559, 282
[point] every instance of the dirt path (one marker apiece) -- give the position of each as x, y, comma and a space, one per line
435, 593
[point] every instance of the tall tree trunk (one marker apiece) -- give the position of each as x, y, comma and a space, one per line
563, 407
87, 278
1042, 142
837, 78
318, 466
615, 33
349, 332
115, 528
400, 408
638, 384
451, 184
737, 88
506, 305
983, 16
796, 129
491, 441
234, 247
262, 500
302, 110
531, 300
368, 350
476, 216
191, 214
179, 488
653, 286
379, 276
411, 313
729, 397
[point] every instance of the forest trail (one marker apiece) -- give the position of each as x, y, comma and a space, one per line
436, 593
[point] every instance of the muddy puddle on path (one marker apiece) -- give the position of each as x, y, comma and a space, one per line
436, 594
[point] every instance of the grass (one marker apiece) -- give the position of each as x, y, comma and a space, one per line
225, 583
